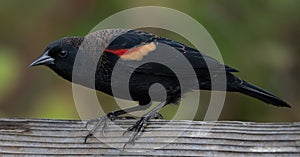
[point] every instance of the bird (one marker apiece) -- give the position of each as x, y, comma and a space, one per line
130, 47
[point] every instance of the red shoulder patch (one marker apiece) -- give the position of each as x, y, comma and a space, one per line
118, 52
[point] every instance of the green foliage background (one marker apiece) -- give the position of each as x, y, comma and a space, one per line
258, 37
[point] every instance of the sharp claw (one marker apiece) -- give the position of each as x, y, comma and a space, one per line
86, 124
132, 138
86, 137
138, 128
125, 145
130, 141
105, 125
140, 125
125, 132
100, 120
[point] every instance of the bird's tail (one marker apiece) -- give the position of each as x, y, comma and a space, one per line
256, 92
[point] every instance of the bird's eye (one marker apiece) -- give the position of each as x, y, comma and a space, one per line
62, 54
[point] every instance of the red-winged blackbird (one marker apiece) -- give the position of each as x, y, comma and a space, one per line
131, 47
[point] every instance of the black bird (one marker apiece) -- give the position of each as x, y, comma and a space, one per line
131, 47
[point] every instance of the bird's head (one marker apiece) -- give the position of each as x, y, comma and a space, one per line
60, 56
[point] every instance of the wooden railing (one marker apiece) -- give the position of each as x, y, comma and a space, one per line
45, 137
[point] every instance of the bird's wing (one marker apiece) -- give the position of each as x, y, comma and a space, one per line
136, 47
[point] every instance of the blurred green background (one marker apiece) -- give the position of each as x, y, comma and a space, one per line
260, 38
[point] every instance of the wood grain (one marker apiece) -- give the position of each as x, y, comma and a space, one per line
46, 137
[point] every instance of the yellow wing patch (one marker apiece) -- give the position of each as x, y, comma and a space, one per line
138, 53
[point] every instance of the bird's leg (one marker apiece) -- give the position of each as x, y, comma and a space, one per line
140, 125
111, 116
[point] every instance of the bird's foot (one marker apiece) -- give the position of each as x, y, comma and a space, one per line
104, 120
99, 121
138, 128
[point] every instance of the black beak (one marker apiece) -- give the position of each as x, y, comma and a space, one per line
44, 59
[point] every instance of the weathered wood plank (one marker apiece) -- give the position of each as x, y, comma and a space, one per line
44, 137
